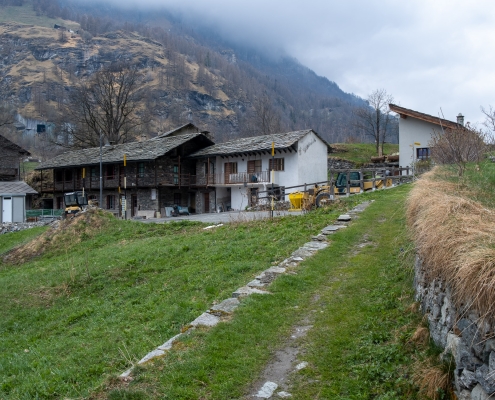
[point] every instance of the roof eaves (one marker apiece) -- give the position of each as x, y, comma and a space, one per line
402, 111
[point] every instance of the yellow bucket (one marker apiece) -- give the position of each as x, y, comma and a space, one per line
296, 200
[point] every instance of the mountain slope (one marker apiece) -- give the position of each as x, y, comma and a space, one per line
191, 75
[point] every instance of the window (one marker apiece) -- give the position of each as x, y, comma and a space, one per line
110, 172
253, 166
93, 173
176, 174
59, 175
110, 202
276, 164
141, 169
423, 153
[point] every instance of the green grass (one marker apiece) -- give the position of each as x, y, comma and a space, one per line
26, 15
357, 349
75, 318
86, 310
10, 240
28, 166
477, 182
361, 153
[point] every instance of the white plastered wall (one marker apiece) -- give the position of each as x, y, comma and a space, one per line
313, 160
413, 130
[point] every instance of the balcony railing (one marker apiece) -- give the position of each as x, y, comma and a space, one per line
232, 179
154, 179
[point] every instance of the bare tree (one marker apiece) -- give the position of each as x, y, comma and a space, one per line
6, 114
458, 146
107, 104
375, 120
266, 119
489, 124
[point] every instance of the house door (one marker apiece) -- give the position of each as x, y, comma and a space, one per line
134, 205
7, 209
253, 197
206, 202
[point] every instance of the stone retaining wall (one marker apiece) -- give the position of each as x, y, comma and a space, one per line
469, 340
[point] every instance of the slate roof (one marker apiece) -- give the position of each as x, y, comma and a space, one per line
7, 144
177, 131
256, 144
16, 187
136, 151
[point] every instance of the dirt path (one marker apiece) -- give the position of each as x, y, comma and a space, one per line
275, 380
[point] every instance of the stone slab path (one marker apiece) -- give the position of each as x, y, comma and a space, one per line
273, 381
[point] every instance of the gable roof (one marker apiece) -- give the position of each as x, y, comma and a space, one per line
187, 128
7, 144
406, 112
256, 144
136, 151
16, 187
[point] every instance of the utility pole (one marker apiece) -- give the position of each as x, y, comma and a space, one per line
101, 171
273, 178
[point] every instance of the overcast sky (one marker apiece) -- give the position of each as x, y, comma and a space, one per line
429, 54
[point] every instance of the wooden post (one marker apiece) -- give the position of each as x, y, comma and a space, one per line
361, 180
373, 176
332, 187
348, 183
156, 179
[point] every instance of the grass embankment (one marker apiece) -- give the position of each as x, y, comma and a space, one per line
10, 240
453, 219
83, 312
360, 153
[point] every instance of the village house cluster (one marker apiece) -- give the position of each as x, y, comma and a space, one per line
185, 167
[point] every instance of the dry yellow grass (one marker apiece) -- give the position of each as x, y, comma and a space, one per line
421, 336
455, 238
432, 381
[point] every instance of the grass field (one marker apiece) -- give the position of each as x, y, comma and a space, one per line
105, 292
360, 153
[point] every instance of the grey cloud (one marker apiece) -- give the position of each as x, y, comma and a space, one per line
428, 54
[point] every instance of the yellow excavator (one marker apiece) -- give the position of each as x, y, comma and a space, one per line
319, 196
354, 183
75, 202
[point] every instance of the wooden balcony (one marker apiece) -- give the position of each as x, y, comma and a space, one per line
155, 179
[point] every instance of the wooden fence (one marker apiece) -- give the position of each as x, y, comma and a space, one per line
347, 182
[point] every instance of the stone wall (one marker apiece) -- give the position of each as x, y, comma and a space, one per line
462, 334
340, 163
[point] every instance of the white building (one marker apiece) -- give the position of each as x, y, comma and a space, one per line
415, 130
15, 198
240, 168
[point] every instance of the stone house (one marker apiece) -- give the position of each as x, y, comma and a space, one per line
239, 169
11, 156
157, 174
15, 195
415, 130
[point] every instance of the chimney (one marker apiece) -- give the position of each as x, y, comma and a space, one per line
460, 119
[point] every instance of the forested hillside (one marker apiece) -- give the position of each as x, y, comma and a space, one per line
188, 73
